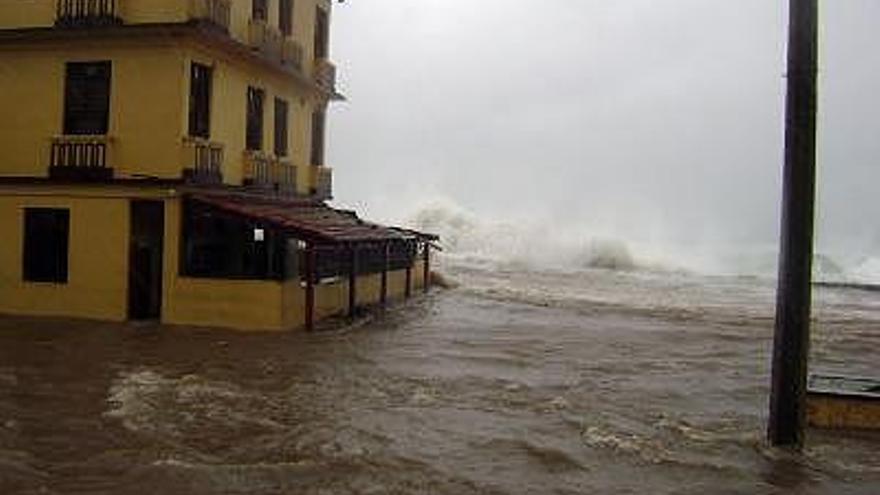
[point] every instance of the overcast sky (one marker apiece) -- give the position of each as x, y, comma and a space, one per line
648, 118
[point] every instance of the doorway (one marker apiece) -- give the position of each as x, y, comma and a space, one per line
145, 260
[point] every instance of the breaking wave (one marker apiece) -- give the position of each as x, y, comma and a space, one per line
472, 240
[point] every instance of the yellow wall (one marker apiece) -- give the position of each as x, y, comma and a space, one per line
41, 13
145, 102
149, 93
98, 260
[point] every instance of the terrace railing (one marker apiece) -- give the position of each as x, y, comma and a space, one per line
269, 175
265, 39
214, 12
80, 158
204, 161
292, 53
87, 13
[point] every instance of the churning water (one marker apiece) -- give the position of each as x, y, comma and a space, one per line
607, 376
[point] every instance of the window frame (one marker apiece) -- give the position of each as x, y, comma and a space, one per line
55, 225
286, 9
77, 118
282, 128
255, 117
200, 102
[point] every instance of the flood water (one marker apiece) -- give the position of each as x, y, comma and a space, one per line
515, 383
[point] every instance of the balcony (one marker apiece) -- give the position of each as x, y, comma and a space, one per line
325, 75
321, 183
203, 161
80, 158
212, 12
86, 13
265, 39
269, 175
292, 53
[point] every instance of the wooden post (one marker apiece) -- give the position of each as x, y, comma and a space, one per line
408, 288
792, 336
352, 282
383, 298
311, 268
427, 267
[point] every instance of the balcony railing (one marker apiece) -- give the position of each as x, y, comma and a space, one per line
87, 13
265, 39
80, 158
322, 183
269, 175
204, 161
292, 53
214, 12
325, 75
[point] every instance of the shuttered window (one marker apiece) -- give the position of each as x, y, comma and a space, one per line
281, 127
318, 129
285, 17
87, 98
254, 138
322, 33
201, 77
260, 10
46, 239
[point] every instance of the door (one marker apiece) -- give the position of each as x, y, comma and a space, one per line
145, 260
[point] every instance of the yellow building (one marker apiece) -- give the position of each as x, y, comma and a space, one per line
164, 159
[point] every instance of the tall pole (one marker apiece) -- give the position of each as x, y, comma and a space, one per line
791, 344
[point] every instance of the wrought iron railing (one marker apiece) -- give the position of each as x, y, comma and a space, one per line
215, 12
87, 13
204, 161
80, 157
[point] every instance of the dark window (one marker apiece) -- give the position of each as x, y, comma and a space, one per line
87, 98
260, 10
322, 33
201, 77
285, 17
216, 245
318, 129
254, 138
46, 238
281, 119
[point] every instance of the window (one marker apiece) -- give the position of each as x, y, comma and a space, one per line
260, 10
216, 245
322, 33
281, 119
201, 77
318, 124
46, 238
254, 138
87, 98
285, 17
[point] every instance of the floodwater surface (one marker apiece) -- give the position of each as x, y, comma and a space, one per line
514, 383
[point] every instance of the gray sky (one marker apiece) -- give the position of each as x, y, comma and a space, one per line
648, 118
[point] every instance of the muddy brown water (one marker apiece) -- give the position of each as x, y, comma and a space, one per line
470, 391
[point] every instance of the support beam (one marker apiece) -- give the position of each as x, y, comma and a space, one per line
792, 336
427, 263
352, 281
311, 269
383, 295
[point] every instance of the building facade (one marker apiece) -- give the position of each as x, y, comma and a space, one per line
165, 159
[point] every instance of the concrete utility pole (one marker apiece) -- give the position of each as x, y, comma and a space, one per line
792, 337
